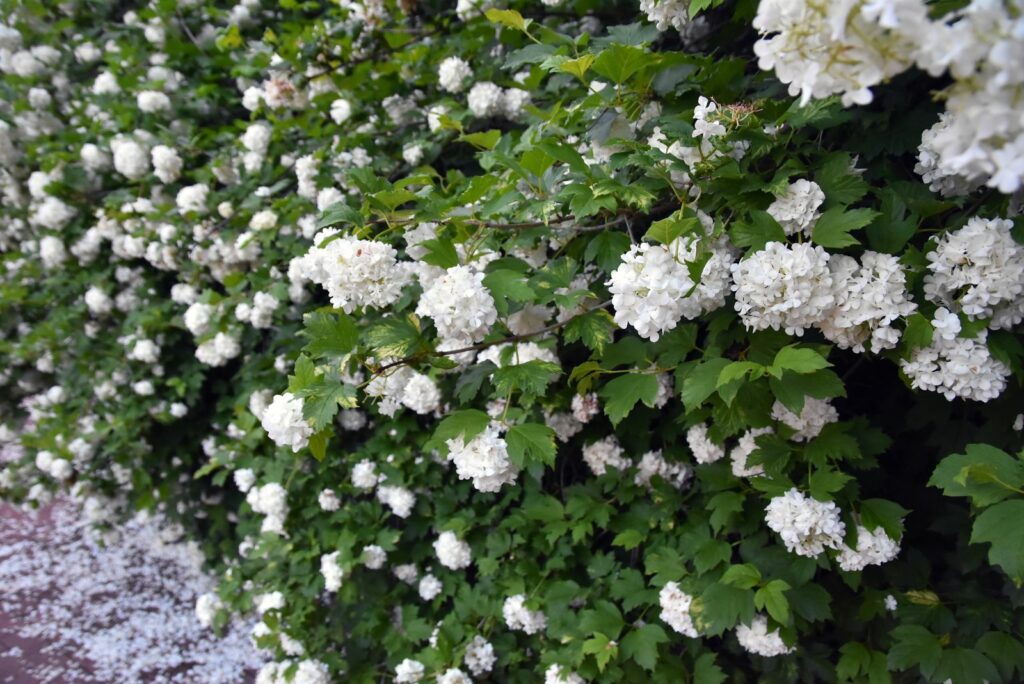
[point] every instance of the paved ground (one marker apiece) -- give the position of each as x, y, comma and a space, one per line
73, 611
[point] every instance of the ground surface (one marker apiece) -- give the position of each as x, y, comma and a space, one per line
77, 611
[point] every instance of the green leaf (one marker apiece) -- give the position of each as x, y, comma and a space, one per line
840, 185
721, 607
486, 140
607, 248
985, 474
318, 444
1005, 652
602, 648
888, 515
621, 394
468, 423
893, 227
772, 597
698, 6
331, 333
833, 228
533, 441
1000, 526
531, 378
394, 336
322, 401
642, 645
339, 213
509, 18
469, 383
665, 564
919, 332
619, 62
722, 506
392, 198
508, 285
711, 554
605, 618
826, 481
792, 388
594, 328
544, 508
802, 360
744, 576
757, 232
668, 229
855, 658
702, 381
706, 671
965, 666
914, 645
440, 252
737, 370
629, 539
811, 602
577, 67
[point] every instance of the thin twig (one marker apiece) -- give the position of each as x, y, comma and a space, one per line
484, 345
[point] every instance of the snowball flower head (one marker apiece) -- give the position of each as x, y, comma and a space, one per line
519, 617
807, 526
755, 638
958, 368
331, 571
675, 609
783, 287
453, 73
873, 548
459, 304
284, 423
652, 288
815, 415
796, 209
409, 671
483, 459
452, 552
704, 450
603, 454
356, 272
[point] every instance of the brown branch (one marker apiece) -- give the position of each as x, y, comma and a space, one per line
484, 345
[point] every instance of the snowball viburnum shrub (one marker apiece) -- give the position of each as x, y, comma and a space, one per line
533, 341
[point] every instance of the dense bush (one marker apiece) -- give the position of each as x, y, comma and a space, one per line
561, 340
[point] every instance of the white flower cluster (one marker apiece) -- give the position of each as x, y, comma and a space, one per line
284, 423
652, 289
207, 607
675, 609
355, 272
704, 450
803, 39
331, 571
603, 454
364, 475
519, 617
218, 350
480, 656
873, 548
784, 287
807, 526
461, 307
399, 499
556, 674
452, 552
486, 99
741, 453
821, 49
755, 638
979, 270
957, 368
409, 671
484, 460
666, 14
429, 587
304, 672
869, 298
453, 73
796, 210
271, 501
815, 415
653, 464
